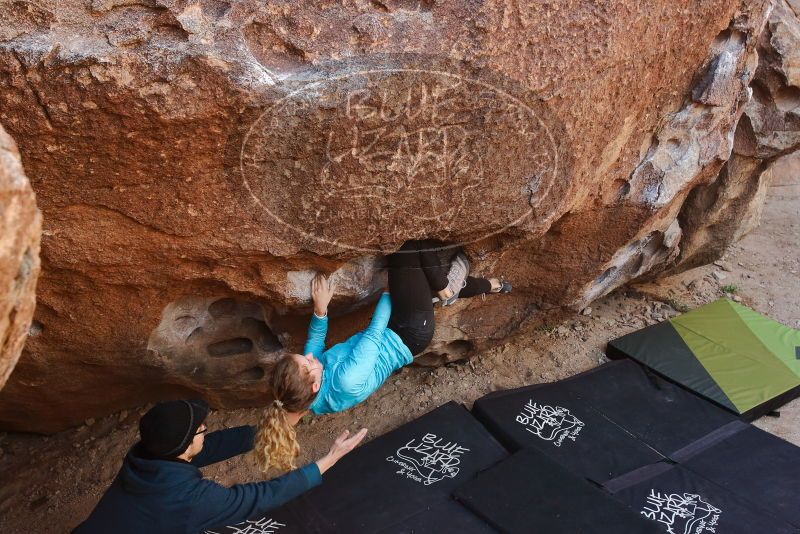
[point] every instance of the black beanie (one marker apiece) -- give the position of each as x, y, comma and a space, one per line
168, 428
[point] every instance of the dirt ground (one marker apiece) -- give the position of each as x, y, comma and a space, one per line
49, 484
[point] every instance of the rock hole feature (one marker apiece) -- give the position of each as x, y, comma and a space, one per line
607, 274
624, 188
745, 142
252, 374
25, 267
230, 347
676, 148
217, 8
444, 353
185, 325
618, 191
196, 332
761, 93
460, 348
222, 307
35, 329
264, 338
722, 37
788, 98
653, 242
39, 502
728, 37
637, 263
429, 359
215, 342
380, 6
271, 50
407, 5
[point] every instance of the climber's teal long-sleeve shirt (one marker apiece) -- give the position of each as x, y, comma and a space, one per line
352, 370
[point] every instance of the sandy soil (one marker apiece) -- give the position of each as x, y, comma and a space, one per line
49, 484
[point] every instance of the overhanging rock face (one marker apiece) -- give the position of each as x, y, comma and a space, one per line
197, 161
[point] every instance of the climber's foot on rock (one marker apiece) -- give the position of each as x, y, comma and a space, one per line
457, 274
500, 286
446, 296
449, 301
456, 280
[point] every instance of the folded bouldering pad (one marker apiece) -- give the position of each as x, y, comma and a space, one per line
529, 492
755, 465
687, 503
723, 351
392, 482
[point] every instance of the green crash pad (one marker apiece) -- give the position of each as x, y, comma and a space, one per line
723, 351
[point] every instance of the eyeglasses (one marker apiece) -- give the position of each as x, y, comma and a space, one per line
205, 429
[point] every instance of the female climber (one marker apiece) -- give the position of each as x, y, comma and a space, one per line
327, 381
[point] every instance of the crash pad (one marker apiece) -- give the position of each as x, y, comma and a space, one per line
529, 492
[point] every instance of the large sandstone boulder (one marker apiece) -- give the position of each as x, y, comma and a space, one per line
768, 133
20, 231
197, 161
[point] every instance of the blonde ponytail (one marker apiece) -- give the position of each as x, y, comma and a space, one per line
276, 443
276, 440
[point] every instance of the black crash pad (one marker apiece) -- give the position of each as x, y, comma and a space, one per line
390, 483
601, 423
755, 465
655, 410
530, 493
687, 503
553, 419
283, 521
440, 516
444, 516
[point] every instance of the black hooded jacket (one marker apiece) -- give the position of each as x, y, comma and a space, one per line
152, 496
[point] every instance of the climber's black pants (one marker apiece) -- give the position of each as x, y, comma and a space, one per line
416, 272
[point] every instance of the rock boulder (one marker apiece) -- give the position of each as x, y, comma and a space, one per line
197, 161
768, 133
20, 231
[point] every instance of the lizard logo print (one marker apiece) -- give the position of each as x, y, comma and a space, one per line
264, 525
550, 423
682, 513
428, 459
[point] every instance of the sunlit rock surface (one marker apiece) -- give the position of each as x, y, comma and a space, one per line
20, 231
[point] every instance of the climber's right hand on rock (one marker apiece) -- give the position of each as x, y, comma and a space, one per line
340, 447
321, 294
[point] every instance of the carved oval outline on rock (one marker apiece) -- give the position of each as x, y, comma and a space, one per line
288, 199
